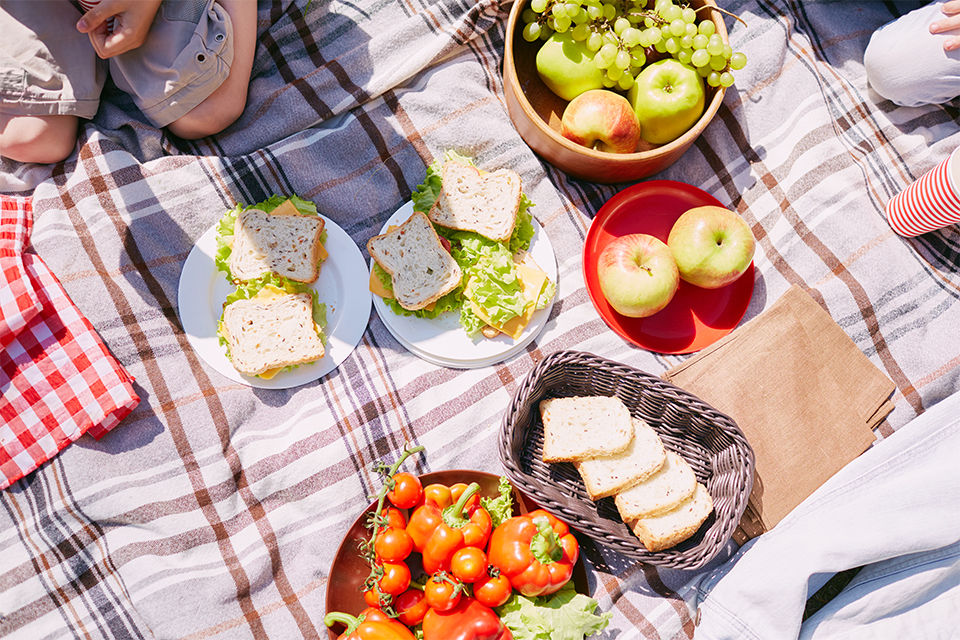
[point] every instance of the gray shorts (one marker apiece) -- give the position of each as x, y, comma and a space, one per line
47, 67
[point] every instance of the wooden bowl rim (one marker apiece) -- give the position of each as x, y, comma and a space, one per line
510, 70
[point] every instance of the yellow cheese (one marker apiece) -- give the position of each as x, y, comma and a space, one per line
322, 253
269, 373
286, 209
377, 287
269, 292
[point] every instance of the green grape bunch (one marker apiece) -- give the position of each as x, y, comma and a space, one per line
624, 35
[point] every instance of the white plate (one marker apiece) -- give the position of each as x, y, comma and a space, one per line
203, 290
442, 340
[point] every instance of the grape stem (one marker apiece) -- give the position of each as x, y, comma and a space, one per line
724, 11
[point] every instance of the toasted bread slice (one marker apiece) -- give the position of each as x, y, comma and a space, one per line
673, 483
285, 243
584, 427
673, 527
471, 201
605, 476
421, 270
272, 330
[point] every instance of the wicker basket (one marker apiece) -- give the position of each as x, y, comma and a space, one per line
709, 440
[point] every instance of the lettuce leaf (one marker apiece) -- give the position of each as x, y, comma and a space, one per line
501, 507
221, 258
565, 615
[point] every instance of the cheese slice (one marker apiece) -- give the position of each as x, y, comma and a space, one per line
285, 209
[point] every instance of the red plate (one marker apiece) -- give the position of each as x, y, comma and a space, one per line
696, 317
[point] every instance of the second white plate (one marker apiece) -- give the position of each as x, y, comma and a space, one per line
442, 340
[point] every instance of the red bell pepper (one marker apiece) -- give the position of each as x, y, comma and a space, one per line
437, 534
536, 552
469, 620
371, 624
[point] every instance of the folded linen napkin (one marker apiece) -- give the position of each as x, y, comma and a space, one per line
57, 379
805, 397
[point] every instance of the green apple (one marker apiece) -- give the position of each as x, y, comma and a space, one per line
712, 246
566, 66
637, 275
602, 120
668, 97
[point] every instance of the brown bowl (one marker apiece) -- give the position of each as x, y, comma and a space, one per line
536, 112
348, 571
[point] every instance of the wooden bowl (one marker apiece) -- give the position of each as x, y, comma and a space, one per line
536, 112
348, 570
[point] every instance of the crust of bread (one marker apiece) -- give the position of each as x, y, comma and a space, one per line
408, 265
673, 527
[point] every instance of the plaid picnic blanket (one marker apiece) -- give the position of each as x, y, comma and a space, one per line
214, 510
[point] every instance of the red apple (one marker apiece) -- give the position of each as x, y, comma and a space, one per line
712, 246
602, 120
637, 275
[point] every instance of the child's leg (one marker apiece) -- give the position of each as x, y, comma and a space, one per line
50, 77
191, 73
226, 104
44, 139
907, 65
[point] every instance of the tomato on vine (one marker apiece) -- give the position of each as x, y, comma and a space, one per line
395, 579
406, 490
441, 592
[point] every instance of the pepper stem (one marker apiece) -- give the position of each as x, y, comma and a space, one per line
545, 545
351, 622
453, 515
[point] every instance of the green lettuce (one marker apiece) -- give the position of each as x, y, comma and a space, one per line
251, 288
565, 615
228, 220
501, 507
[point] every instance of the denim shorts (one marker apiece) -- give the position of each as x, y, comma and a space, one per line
47, 67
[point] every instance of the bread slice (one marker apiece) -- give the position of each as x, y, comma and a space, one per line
271, 332
605, 476
673, 527
471, 201
584, 427
673, 483
420, 269
287, 244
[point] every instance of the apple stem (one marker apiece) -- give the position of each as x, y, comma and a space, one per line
732, 15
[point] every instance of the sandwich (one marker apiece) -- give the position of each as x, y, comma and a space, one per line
421, 269
272, 325
282, 236
272, 252
483, 221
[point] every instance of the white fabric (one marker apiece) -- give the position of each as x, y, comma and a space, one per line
895, 509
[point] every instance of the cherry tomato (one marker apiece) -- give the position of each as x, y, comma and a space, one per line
393, 545
438, 495
406, 490
446, 244
457, 490
411, 606
468, 564
492, 591
441, 595
372, 597
396, 578
395, 518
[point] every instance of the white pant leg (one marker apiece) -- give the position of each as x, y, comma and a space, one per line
906, 64
899, 498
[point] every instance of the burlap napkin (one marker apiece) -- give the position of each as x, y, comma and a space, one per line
805, 397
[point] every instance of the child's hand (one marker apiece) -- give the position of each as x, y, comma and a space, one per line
951, 22
131, 22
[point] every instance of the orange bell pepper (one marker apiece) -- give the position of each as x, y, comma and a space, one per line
371, 624
437, 533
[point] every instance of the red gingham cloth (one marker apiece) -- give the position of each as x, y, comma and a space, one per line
57, 379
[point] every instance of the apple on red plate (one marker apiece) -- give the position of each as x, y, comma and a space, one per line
712, 246
638, 275
602, 120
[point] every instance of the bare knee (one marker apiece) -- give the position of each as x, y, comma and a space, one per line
42, 139
211, 116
